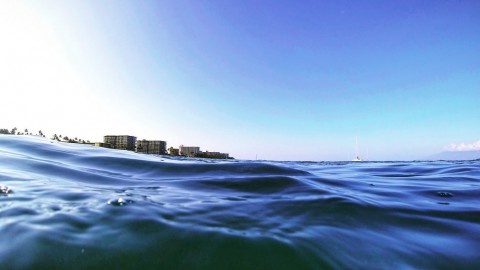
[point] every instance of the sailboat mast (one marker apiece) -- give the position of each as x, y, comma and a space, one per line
356, 146
357, 157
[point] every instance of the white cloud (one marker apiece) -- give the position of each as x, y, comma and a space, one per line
464, 146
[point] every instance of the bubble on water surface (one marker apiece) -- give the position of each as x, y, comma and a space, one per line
120, 202
5, 190
444, 194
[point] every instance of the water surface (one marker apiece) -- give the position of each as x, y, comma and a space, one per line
78, 206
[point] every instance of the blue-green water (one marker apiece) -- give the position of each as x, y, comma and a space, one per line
71, 206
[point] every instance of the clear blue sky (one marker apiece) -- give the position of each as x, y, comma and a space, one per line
284, 80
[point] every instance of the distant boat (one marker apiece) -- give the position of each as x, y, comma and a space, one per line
357, 158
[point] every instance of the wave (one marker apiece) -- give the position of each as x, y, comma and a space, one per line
79, 206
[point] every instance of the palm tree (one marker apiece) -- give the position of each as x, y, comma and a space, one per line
26, 131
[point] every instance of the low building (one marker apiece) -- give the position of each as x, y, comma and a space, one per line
173, 151
188, 150
123, 142
215, 155
152, 147
101, 144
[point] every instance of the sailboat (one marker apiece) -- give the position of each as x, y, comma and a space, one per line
357, 158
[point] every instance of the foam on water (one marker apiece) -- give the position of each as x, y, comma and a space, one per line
77, 206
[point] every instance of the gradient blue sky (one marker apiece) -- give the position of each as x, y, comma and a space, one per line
284, 80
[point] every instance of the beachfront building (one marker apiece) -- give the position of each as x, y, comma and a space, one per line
152, 147
215, 155
173, 151
100, 144
188, 150
123, 142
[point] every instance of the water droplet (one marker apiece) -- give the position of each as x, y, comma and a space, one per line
5, 190
119, 202
444, 194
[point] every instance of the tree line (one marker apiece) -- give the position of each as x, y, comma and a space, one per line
15, 131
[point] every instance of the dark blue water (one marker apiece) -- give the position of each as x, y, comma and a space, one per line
80, 207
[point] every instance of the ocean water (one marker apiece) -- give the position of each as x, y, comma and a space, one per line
69, 206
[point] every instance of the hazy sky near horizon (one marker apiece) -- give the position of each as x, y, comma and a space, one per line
284, 80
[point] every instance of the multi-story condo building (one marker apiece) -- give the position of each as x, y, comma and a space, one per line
188, 150
152, 147
123, 142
